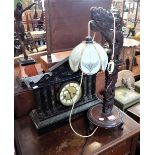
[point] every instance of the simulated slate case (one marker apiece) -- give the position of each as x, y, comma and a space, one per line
50, 112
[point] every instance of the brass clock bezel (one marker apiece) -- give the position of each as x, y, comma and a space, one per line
79, 95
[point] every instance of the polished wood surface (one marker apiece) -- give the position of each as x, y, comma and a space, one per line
23, 100
27, 71
23, 103
62, 141
134, 112
27, 19
56, 57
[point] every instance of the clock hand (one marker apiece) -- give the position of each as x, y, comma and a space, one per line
72, 94
69, 93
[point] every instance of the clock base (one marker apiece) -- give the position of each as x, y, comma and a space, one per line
98, 118
59, 119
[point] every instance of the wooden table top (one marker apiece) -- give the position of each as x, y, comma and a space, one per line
56, 57
62, 141
135, 110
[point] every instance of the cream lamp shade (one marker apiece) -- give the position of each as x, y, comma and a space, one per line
88, 56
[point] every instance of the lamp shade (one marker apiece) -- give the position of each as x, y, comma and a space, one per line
88, 56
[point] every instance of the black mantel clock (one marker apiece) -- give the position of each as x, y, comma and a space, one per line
57, 90
52, 98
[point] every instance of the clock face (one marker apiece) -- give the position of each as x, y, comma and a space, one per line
70, 93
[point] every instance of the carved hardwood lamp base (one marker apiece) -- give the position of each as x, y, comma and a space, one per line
98, 118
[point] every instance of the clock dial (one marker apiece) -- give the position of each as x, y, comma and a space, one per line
70, 93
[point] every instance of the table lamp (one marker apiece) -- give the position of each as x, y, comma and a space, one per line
90, 57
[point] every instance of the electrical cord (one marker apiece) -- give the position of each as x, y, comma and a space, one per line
70, 116
112, 57
84, 145
111, 63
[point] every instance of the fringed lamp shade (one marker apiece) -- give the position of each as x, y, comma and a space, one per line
88, 56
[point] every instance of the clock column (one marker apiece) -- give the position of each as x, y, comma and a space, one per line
85, 92
46, 101
89, 88
39, 103
53, 97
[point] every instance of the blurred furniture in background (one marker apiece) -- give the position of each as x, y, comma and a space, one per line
35, 34
131, 15
125, 98
35, 41
31, 43
32, 24
137, 86
128, 53
39, 37
38, 34
125, 95
17, 48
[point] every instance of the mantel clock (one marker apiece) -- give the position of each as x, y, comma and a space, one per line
55, 93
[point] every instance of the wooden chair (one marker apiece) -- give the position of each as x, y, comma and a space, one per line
33, 47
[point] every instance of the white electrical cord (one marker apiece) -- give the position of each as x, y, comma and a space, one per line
111, 64
94, 36
70, 116
112, 56
89, 27
89, 30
